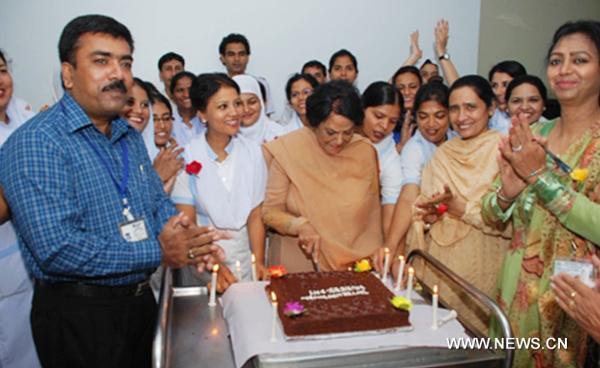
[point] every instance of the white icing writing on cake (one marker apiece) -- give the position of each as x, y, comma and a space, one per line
335, 292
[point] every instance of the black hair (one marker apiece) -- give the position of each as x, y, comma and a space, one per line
407, 69
590, 28
178, 76
340, 53
68, 43
296, 77
160, 98
432, 91
233, 38
152, 89
510, 67
143, 85
527, 79
168, 57
338, 97
263, 91
314, 64
381, 93
436, 79
206, 85
3, 58
480, 86
428, 61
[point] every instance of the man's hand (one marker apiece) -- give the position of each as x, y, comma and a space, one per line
185, 243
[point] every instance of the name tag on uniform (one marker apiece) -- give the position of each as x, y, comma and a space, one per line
583, 270
133, 231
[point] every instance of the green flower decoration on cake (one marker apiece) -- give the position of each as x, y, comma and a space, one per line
362, 266
400, 302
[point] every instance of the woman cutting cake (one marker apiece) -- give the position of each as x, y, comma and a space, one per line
322, 194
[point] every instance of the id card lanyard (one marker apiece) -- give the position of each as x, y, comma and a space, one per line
122, 185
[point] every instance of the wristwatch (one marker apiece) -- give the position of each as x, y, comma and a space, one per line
444, 56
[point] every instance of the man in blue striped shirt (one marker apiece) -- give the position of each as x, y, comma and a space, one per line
92, 219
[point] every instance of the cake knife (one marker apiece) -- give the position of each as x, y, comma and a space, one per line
315, 263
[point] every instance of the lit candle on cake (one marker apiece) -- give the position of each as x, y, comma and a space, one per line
409, 285
401, 265
434, 304
274, 324
386, 264
254, 278
212, 301
238, 270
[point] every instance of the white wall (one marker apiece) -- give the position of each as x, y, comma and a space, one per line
283, 35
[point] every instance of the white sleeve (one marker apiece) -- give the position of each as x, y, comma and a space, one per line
413, 161
391, 179
260, 177
182, 192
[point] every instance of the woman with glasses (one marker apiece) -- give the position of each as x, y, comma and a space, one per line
140, 115
168, 161
297, 90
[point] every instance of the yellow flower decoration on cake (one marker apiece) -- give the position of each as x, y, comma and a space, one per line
579, 174
362, 266
400, 302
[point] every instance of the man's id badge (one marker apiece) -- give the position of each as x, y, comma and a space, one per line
583, 270
133, 231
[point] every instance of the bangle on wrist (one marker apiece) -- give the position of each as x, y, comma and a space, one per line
535, 173
503, 198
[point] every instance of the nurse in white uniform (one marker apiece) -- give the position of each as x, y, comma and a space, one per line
16, 344
224, 182
382, 104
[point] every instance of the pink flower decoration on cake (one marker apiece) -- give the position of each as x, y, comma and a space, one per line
293, 309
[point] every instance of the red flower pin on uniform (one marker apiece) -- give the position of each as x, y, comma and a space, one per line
193, 168
441, 208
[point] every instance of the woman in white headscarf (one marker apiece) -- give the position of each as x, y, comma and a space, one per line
256, 125
16, 287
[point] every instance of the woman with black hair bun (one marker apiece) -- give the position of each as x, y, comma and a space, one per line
223, 184
323, 188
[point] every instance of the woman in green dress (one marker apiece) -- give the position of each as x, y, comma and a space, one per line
552, 204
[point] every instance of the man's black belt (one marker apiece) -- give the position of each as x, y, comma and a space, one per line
93, 291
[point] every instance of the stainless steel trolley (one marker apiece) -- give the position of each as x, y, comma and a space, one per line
190, 335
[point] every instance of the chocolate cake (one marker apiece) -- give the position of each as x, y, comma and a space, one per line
336, 302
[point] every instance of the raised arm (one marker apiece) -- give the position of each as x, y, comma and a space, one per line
415, 52
442, 34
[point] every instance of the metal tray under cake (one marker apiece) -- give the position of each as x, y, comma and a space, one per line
188, 334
